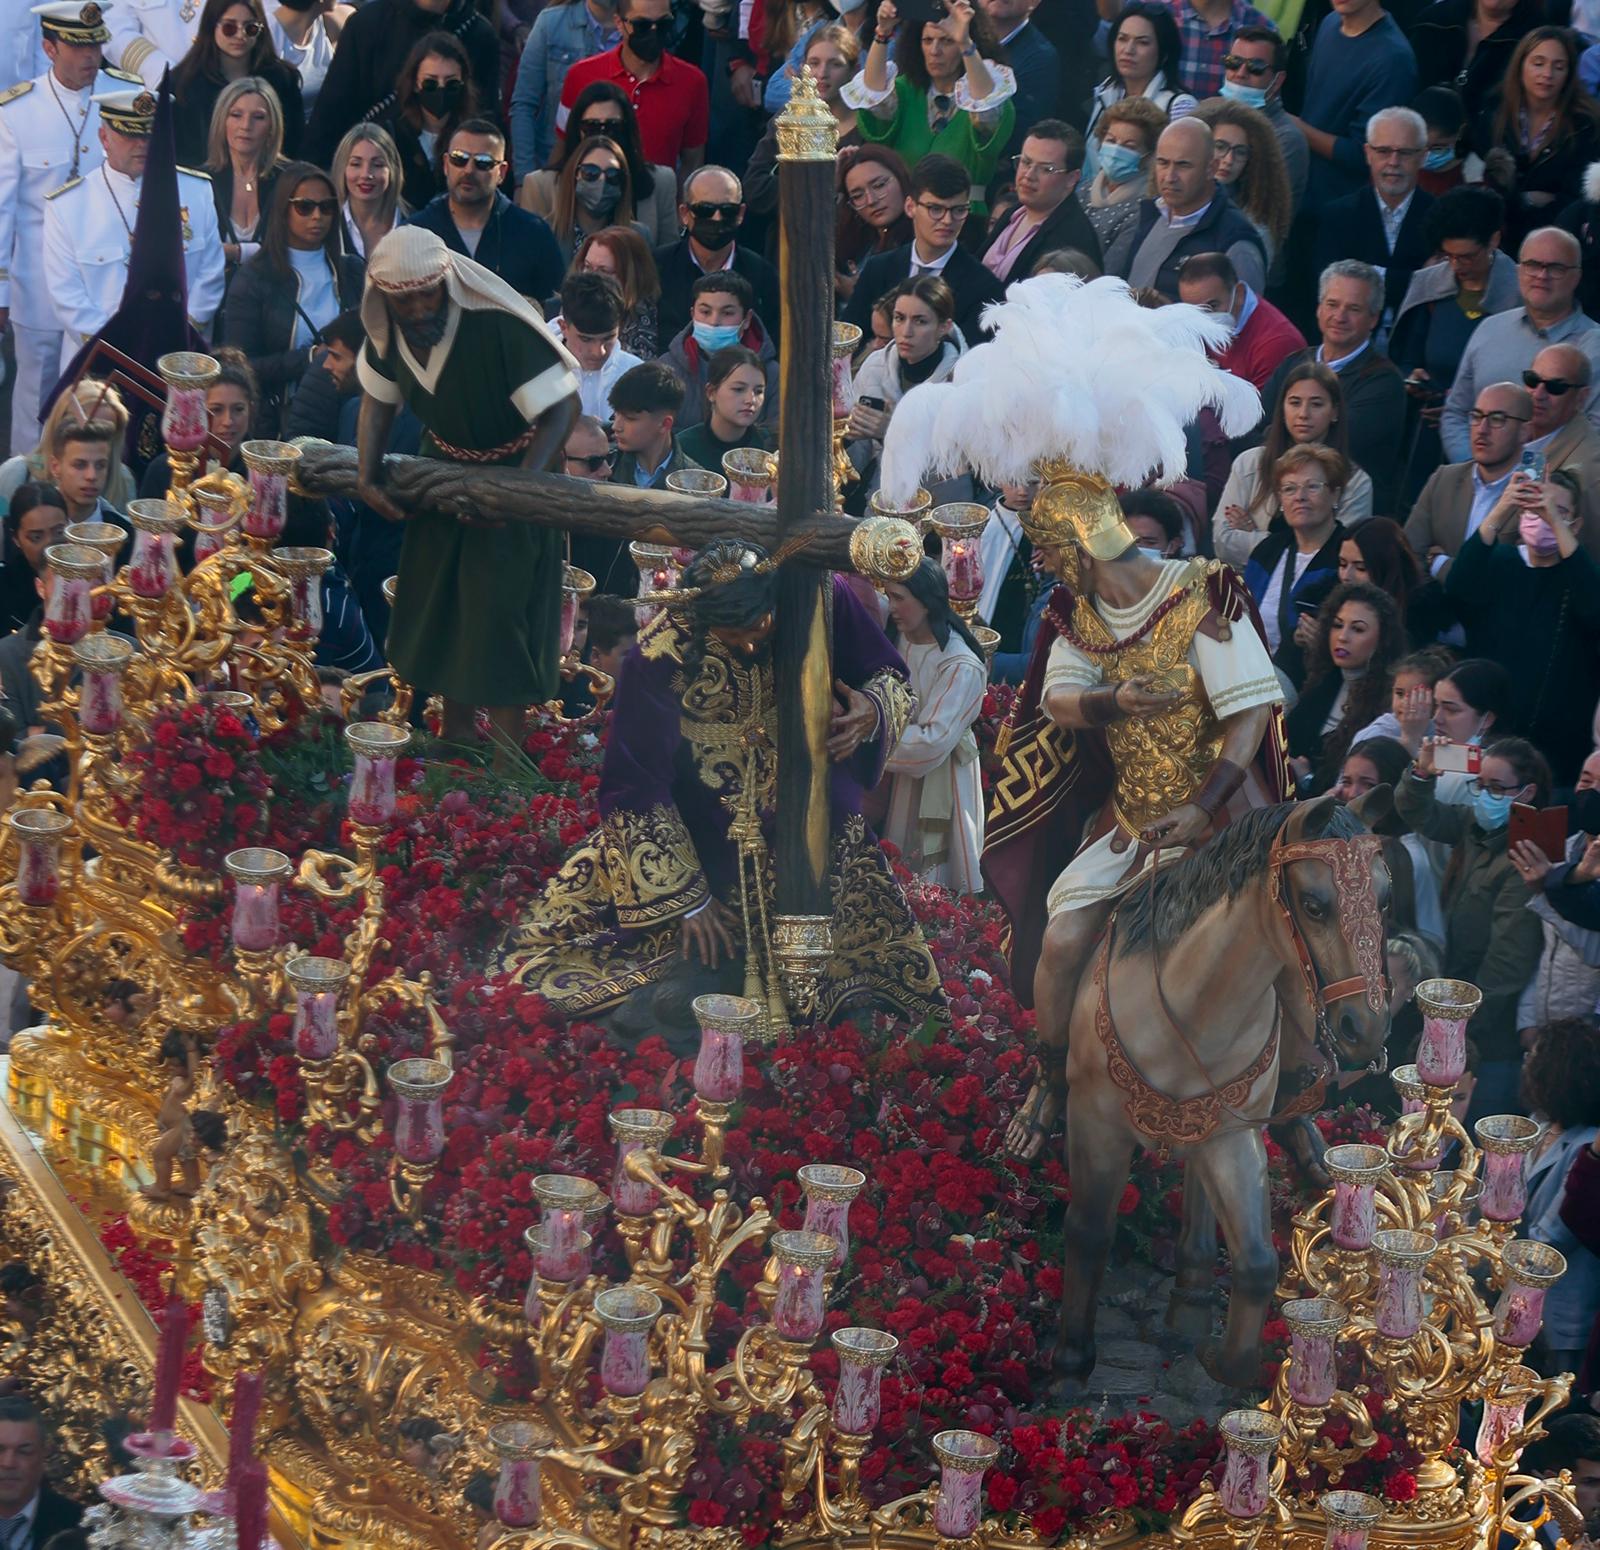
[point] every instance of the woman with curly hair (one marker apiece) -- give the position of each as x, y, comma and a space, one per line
1348, 675
1128, 134
1248, 162
1561, 1086
1378, 551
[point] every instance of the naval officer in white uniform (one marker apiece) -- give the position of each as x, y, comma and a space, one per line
89, 225
149, 35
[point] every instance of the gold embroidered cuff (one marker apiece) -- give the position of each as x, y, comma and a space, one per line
889, 691
652, 865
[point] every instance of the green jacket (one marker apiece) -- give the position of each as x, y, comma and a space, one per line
1492, 938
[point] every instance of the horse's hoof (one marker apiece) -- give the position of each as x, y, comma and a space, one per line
1189, 1314
1230, 1372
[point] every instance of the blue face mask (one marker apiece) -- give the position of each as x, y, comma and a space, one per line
1491, 813
716, 336
1151, 554
1250, 96
1441, 160
1120, 162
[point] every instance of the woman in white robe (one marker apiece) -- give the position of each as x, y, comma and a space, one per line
936, 797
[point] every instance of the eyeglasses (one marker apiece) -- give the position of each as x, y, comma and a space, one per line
1045, 169
599, 126
232, 29
705, 210
1555, 386
610, 176
314, 206
1495, 419
860, 196
1226, 152
941, 214
1397, 152
481, 160
1290, 492
638, 24
593, 461
1495, 789
1251, 67
1554, 271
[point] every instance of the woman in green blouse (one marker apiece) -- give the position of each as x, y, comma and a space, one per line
946, 90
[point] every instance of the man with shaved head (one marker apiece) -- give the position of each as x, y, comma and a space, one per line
1549, 268
1558, 382
1192, 213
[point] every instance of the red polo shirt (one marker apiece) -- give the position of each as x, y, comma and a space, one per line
673, 106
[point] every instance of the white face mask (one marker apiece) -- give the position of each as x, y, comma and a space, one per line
1151, 554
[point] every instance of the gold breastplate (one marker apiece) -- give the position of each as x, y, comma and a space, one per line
1162, 760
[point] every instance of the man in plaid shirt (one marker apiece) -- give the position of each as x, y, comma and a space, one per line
1207, 28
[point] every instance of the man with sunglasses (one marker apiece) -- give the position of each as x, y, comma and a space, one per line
711, 213
477, 221
1558, 381
1253, 73
669, 96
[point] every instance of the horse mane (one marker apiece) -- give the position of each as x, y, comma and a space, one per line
1158, 911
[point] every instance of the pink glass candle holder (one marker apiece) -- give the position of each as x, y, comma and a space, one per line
846, 341
1447, 1006
303, 569
376, 746
75, 571
863, 1354
101, 660
829, 1189
751, 474
914, 510
564, 1201
636, 1130
187, 375
1503, 1412
1351, 1517
1249, 1439
1530, 1269
1315, 1324
1413, 1099
1506, 1140
258, 873
576, 585
215, 514
1451, 1203
960, 528
802, 1257
419, 1086
317, 984
1402, 1257
519, 1445
559, 1269
270, 463
1355, 1170
39, 832
153, 562
107, 540
963, 1457
726, 1023
657, 573
627, 1313
704, 482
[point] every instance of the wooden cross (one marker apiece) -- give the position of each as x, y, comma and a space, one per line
802, 652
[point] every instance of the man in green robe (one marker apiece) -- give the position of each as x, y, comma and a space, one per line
477, 605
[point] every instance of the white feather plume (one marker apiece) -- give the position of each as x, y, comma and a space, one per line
1075, 371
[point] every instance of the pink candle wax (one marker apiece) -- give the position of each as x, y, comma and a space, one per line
183, 420
964, 568
798, 1308
1399, 1311
1518, 1314
39, 872
255, 917
516, 1493
1313, 1375
569, 620
631, 1196
719, 1067
1442, 1054
1346, 1539
305, 602
1355, 1215
1243, 1488
844, 396
152, 569
101, 602
832, 1219
1498, 1427
316, 1025
69, 611
419, 1129
372, 791
858, 1401
207, 540
269, 505
1505, 1195
625, 1362
100, 703
562, 1255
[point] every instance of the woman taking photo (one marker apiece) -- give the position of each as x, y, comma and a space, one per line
622, 253
1145, 49
1310, 413
231, 41
603, 109
935, 796
1351, 663
594, 191
244, 158
1128, 134
294, 287
946, 91
367, 174
1542, 134
434, 94
736, 393
873, 186
831, 55
1248, 162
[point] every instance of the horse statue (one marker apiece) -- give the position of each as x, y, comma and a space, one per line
1272, 933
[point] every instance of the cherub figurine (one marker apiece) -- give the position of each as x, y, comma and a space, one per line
182, 1135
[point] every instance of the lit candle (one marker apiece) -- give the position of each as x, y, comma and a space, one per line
564, 1202
963, 1458
152, 566
38, 832
377, 746
1506, 1140
797, 1310
1402, 1256
1314, 1327
1249, 1439
1355, 1170
419, 1086
519, 1445
636, 1130
1446, 1006
829, 1191
627, 1314
257, 873
1351, 1517
317, 983
726, 1022
863, 1354
174, 1340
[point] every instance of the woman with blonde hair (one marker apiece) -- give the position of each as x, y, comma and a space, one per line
1129, 130
624, 253
1248, 162
832, 53
243, 156
90, 400
366, 176
594, 191
231, 41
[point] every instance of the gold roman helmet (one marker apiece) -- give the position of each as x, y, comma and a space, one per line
1073, 507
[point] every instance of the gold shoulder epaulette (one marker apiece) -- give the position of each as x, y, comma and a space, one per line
70, 183
122, 75
195, 172
11, 93
664, 636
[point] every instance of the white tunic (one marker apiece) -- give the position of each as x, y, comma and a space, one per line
1236, 675
21, 44
87, 238
936, 801
37, 145
149, 35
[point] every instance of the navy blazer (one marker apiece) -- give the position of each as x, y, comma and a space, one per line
1352, 228
1036, 63
1314, 583
973, 285
517, 245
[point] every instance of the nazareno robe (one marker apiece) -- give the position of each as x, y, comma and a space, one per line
691, 746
